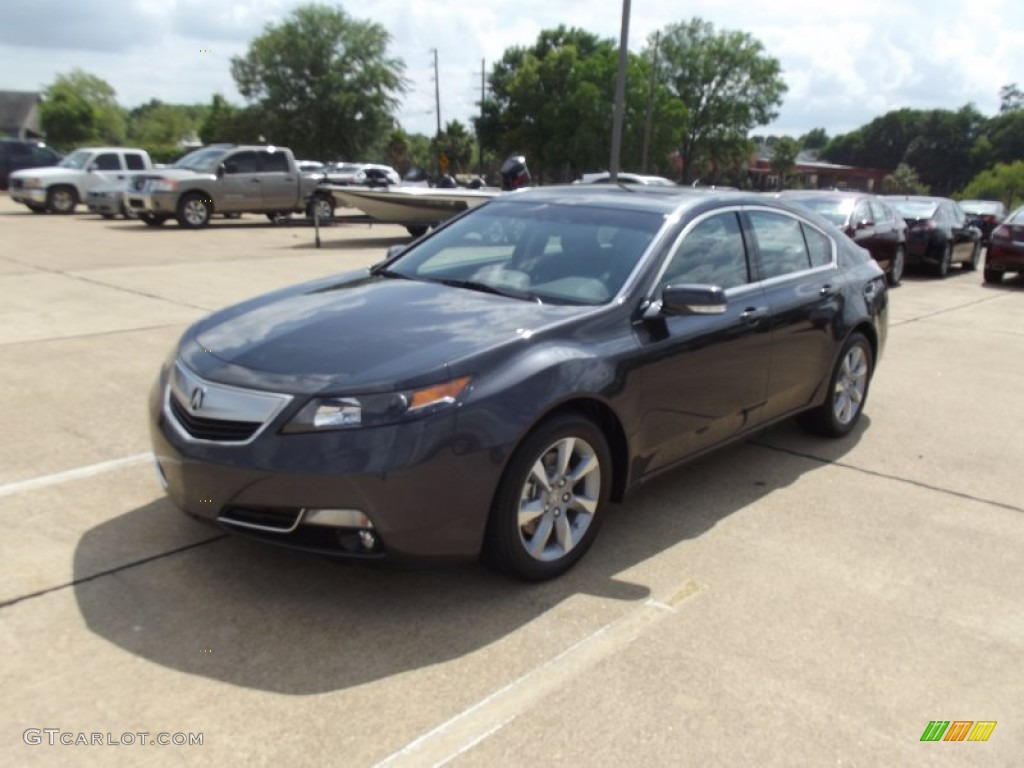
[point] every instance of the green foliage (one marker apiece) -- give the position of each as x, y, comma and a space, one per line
553, 102
1011, 98
728, 84
1004, 181
784, 158
903, 181
156, 123
882, 143
322, 81
1004, 135
80, 108
457, 145
816, 138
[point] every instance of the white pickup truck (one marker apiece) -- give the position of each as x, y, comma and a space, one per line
61, 187
229, 179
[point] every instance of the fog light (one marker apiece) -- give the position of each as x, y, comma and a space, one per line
337, 518
368, 540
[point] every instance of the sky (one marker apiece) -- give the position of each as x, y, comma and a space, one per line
844, 63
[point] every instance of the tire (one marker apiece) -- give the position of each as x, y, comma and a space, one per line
899, 264
994, 276
417, 230
61, 200
153, 219
324, 205
543, 521
972, 264
945, 261
194, 211
847, 391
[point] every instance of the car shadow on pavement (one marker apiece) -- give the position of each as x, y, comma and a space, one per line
271, 619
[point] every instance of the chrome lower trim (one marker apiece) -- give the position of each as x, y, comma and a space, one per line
258, 527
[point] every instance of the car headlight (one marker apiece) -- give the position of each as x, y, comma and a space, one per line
163, 185
32, 183
354, 411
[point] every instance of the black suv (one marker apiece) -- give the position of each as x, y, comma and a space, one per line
16, 154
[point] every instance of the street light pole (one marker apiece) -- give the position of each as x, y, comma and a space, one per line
620, 95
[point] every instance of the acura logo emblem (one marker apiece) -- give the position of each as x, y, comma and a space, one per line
196, 401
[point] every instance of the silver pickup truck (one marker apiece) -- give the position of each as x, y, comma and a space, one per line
228, 179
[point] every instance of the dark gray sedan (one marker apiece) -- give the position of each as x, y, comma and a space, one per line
488, 390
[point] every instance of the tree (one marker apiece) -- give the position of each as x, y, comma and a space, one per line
323, 82
156, 123
1011, 98
903, 181
553, 102
882, 143
1005, 182
941, 153
456, 144
816, 138
81, 108
728, 84
784, 158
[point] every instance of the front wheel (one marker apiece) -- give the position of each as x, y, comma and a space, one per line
61, 200
194, 211
550, 501
899, 263
847, 392
152, 219
993, 276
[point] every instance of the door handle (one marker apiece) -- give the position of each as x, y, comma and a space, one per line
827, 291
754, 315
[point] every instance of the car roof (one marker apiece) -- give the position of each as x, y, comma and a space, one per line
838, 194
656, 199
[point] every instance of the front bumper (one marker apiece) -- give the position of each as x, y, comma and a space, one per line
34, 195
151, 202
427, 496
103, 204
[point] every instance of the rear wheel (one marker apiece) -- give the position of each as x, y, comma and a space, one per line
848, 390
945, 261
551, 499
972, 264
321, 207
194, 211
993, 276
899, 263
61, 200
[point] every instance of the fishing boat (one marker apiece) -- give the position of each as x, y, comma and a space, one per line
415, 208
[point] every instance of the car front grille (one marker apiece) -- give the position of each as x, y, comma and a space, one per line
220, 430
16, 183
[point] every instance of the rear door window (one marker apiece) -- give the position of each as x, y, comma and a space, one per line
274, 162
134, 161
780, 243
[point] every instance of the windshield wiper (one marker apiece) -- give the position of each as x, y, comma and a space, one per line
476, 285
385, 272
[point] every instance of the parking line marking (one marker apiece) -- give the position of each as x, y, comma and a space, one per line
477, 722
9, 489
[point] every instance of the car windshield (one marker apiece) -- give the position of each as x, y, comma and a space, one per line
201, 160
835, 210
1017, 217
915, 209
562, 254
76, 159
982, 207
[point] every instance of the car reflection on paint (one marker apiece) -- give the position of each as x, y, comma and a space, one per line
480, 396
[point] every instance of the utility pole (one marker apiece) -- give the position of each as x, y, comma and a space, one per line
650, 104
437, 111
620, 95
483, 95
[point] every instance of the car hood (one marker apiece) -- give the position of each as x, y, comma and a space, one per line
359, 332
46, 172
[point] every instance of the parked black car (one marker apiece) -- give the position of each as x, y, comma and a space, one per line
985, 215
867, 219
18, 154
468, 396
939, 233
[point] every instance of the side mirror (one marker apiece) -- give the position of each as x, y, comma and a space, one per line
220, 171
91, 168
693, 300
864, 224
394, 250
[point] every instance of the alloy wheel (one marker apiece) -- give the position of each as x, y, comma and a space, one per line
851, 385
559, 498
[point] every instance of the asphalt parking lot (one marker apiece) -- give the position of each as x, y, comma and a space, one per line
787, 601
